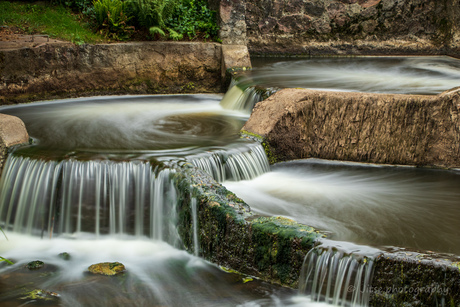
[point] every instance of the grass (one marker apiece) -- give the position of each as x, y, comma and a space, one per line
55, 21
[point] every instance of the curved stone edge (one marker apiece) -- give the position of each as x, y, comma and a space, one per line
230, 235
65, 70
12, 132
361, 127
274, 248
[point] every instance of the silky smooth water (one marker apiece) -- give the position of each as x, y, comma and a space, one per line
373, 205
397, 75
161, 125
90, 185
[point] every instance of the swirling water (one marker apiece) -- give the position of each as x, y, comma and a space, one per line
114, 204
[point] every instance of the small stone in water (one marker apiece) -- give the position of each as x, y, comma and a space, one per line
39, 294
35, 265
107, 268
64, 256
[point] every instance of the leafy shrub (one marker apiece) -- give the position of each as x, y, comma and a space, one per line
83, 6
194, 19
111, 19
152, 15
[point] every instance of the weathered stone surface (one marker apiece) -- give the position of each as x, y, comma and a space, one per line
107, 268
230, 235
274, 248
12, 132
66, 70
407, 278
231, 21
235, 56
376, 128
322, 27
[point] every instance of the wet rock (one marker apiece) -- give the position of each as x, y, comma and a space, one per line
107, 268
35, 265
12, 132
64, 256
41, 295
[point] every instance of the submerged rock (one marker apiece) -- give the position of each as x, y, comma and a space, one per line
64, 256
41, 295
35, 265
106, 268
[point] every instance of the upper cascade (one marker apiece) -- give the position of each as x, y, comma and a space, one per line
236, 164
243, 96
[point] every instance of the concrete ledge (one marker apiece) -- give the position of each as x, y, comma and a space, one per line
362, 127
272, 249
408, 278
66, 70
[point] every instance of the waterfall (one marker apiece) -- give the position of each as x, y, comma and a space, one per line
336, 277
193, 208
239, 163
71, 197
242, 97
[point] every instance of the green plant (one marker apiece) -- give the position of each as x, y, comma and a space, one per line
1, 258
152, 15
56, 21
111, 19
194, 19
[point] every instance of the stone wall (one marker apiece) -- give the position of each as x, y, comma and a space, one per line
230, 235
67, 70
316, 27
273, 249
363, 127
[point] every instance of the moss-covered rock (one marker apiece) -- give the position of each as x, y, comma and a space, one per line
35, 265
41, 295
107, 268
231, 235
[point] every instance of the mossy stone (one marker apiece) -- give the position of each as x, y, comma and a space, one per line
107, 268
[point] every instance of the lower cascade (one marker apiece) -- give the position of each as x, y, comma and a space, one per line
336, 277
68, 197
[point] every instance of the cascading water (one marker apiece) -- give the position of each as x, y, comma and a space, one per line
68, 197
338, 277
89, 187
235, 164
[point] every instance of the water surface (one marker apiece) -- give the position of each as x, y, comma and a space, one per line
372, 205
398, 75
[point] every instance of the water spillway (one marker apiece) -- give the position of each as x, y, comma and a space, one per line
100, 183
365, 204
392, 75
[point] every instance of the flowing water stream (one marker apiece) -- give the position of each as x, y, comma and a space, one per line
96, 183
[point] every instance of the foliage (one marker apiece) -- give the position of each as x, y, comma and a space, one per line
72, 20
1, 258
58, 22
111, 19
83, 6
194, 19
153, 14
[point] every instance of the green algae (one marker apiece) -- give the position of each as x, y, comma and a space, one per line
269, 152
230, 235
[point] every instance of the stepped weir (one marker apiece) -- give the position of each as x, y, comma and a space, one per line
84, 191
